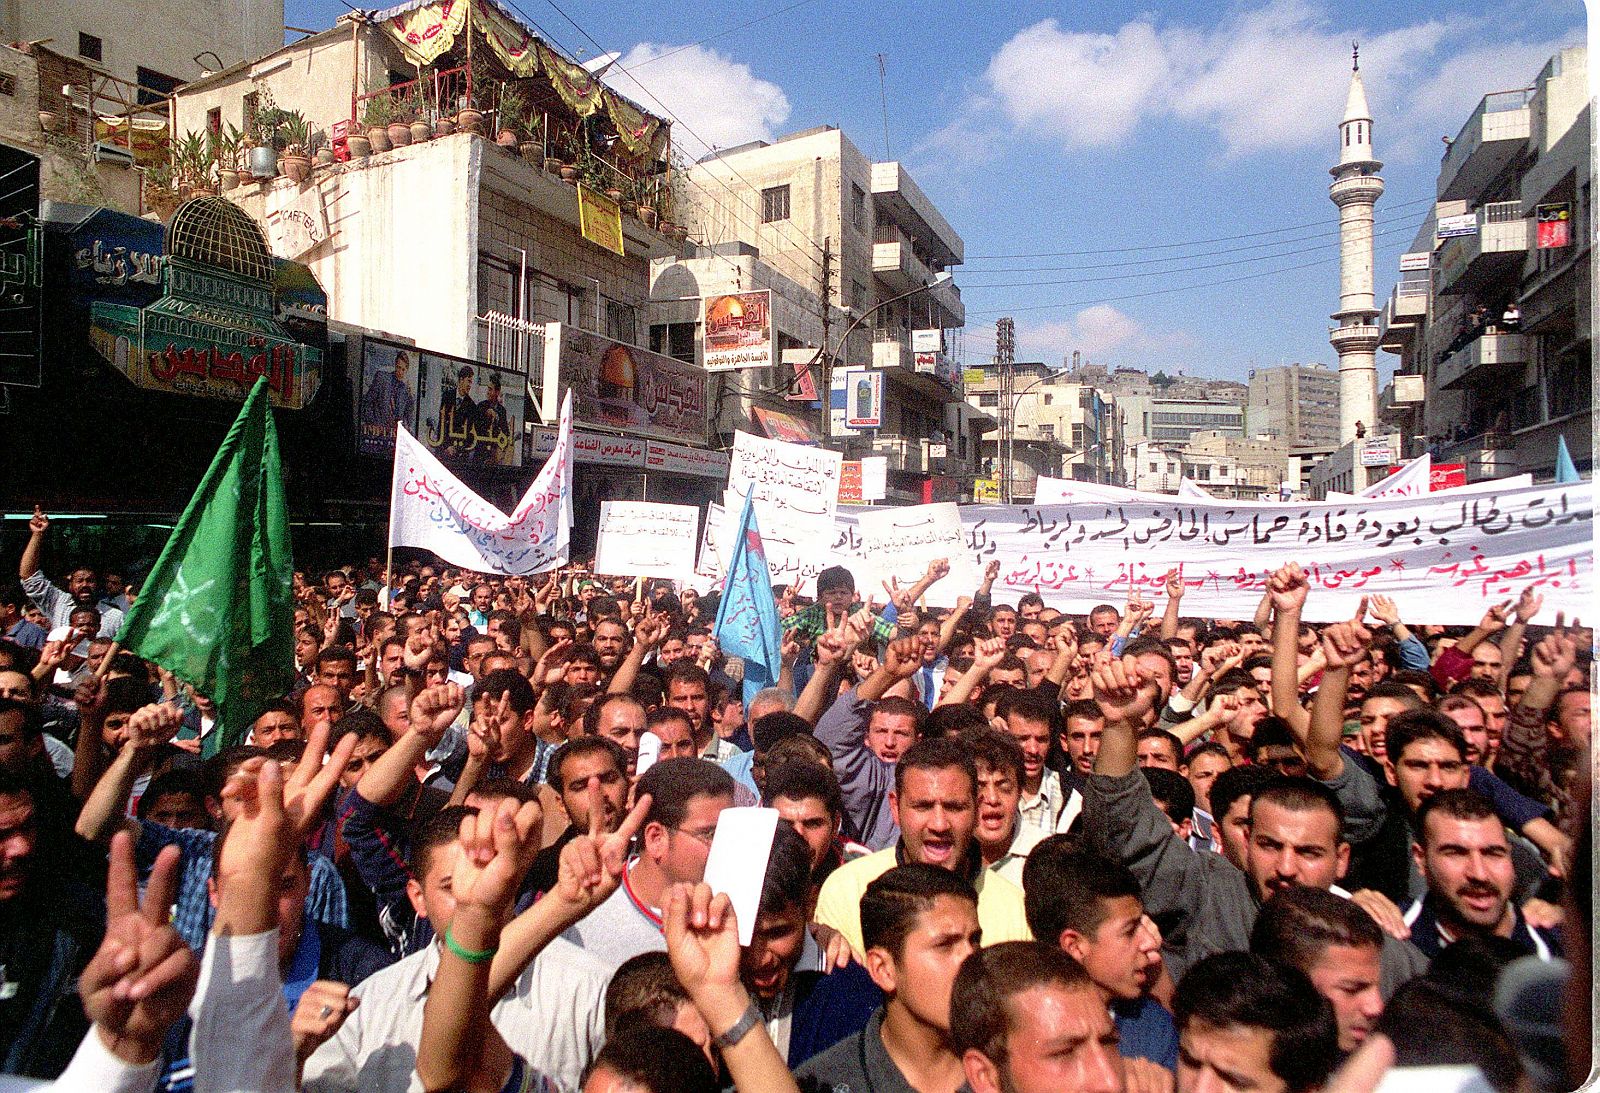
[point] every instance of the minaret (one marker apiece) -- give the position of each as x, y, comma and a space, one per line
1355, 189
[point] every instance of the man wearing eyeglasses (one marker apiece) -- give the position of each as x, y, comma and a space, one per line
686, 798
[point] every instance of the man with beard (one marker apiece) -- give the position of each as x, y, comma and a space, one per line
590, 774
83, 586
1466, 860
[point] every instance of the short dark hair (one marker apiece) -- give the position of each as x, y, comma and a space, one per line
896, 706
768, 729
187, 780
643, 990
1172, 790
1477, 688
685, 671
1236, 782
1065, 888
1210, 747
577, 748
891, 904
981, 1016
1299, 795
1431, 1025
342, 654
32, 720
835, 576
506, 681
1152, 647
1298, 924
935, 753
1272, 731
787, 883
1249, 991
1030, 706
953, 719
432, 832
995, 750
802, 781
1082, 707
656, 1060
126, 694
1412, 677
1163, 734
1234, 679
1458, 804
1389, 688
1411, 726
673, 783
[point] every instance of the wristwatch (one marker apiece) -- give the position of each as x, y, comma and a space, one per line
747, 1021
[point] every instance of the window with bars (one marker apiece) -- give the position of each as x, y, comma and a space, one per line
858, 207
621, 322
774, 204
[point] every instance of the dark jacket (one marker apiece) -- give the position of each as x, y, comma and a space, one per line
830, 1007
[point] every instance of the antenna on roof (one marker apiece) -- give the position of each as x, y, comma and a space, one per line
1355, 56
883, 95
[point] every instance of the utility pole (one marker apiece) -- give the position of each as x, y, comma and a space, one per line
825, 389
1005, 359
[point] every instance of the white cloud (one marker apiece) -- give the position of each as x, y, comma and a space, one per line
720, 99
1270, 78
1103, 335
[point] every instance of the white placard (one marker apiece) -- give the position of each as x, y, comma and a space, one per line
737, 863
796, 544
874, 477
795, 478
649, 753
900, 542
646, 539
708, 562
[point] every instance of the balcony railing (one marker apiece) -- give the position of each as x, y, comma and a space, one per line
1500, 212
431, 96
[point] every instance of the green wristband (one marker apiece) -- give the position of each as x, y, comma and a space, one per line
471, 956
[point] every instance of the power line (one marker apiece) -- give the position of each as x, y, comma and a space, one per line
1330, 232
1154, 292
1190, 243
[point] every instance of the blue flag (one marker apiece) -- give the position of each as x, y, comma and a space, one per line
747, 618
1565, 470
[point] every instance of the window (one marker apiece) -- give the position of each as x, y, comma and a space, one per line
676, 340
252, 106
214, 120
155, 86
90, 47
1048, 399
988, 398
858, 296
774, 204
1048, 432
621, 321
858, 207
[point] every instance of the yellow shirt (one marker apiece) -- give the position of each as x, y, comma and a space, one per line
1000, 910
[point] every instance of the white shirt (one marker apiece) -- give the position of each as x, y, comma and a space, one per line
241, 1041
553, 1016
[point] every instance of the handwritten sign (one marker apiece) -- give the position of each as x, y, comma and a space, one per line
793, 477
645, 539
900, 542
433, 509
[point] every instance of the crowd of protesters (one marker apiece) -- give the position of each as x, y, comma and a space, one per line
1019, 849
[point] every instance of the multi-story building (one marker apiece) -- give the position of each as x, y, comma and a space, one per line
1237, 467
862, 235
150, 45
1492, 311
1297, 402
457, 245
1061, 427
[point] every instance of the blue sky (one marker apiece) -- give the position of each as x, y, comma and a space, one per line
1045, 128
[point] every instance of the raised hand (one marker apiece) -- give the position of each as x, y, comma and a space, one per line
1384, 610
308, 786
1215, 658
39, 523
590, 867
991, 572
143, 976
900, 597
1344, 644
1175, 583
1122, 691
1555, 654
1494, 618
1065, 642
319, 1014
1288, 588
988, 652
651, 631
552, 666
833, 646
789, 649
497, 847
153, 725
434, 710
702, 939
938, 570
1528, 605
902, 657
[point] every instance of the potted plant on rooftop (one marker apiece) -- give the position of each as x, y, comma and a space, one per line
470, 117
321, 150
509, 117
229, 144
295, 133
376, 116
400, 122
417, 110
263, 135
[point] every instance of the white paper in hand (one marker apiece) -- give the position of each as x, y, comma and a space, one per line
737, 864
649, 752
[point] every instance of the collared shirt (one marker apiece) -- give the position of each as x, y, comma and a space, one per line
192, 911
1053, 808
1011, 862
809, 622
621, 927
1432, 936
858, 1065
30, 635
552, 1016
58, 606
720, 750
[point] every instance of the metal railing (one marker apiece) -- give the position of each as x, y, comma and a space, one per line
506, 341
1494, 103
441, 94
1501, 212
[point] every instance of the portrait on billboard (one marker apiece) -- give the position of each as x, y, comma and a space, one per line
388, 395
472, 413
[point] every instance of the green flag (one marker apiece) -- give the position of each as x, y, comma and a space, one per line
217, 610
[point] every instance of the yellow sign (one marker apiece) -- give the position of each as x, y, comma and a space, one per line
972, 375
986, 490
600, 220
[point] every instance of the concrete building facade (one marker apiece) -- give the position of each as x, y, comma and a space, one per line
1297, 402
1495, 327
1063, 427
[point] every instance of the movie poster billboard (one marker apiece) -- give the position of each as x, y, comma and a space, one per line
631, 390
471, 413
738, 331
388, 395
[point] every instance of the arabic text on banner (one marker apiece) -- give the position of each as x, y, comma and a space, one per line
431, 508
1443, 558
645, 539
900, 542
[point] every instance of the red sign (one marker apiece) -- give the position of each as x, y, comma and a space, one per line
1554, 226
850, 482
937, 487
1443, 476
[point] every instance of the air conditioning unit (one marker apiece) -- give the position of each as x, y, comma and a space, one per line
113, 154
